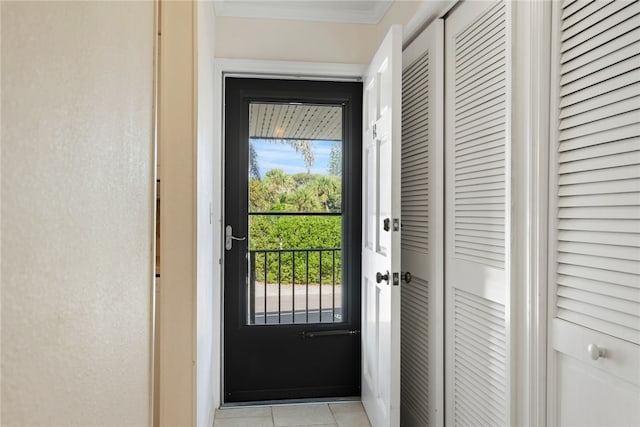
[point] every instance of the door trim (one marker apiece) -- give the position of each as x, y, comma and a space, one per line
530, 97
289, 69
263, 69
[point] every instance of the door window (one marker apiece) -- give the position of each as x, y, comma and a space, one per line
295, 213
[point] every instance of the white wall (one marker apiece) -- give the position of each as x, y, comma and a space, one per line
77, 189
400, 12
285, 40
208, 283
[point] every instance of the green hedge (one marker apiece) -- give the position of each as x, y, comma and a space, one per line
281, 192
297, 232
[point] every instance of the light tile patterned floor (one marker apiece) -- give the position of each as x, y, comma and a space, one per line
344, 414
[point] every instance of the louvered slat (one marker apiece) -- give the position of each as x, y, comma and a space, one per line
415, 154
587, 49
415, 348
480, 83
596, 22
591, 7
628, 145
479, 362
415, 238
598, 167
478, 175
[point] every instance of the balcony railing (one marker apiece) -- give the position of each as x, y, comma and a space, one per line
295, 286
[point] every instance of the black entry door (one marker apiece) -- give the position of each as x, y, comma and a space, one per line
292, 247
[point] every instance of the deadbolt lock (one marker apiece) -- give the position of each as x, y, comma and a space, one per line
396, 279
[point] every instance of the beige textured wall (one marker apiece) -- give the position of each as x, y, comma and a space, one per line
77, 191
177, 145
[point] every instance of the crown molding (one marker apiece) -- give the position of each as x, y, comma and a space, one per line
353, 12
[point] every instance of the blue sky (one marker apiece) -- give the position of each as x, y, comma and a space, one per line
281, 156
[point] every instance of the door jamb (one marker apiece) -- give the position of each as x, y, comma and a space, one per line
531, 97
262, 69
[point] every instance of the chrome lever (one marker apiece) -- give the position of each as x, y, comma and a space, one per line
229, 237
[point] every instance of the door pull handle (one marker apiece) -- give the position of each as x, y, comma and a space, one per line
319, 334
229, 237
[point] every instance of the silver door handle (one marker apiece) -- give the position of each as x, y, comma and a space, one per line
229, 237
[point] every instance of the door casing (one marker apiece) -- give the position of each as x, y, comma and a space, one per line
266, 70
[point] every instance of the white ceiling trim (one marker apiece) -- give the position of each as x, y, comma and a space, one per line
346, 11
266, 69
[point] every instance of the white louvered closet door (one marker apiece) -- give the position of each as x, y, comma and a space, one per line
594, 282
477, 174
422, 376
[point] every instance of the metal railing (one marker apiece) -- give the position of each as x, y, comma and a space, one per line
295, 286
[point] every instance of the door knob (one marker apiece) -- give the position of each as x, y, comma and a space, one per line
596, 352
380, 277
407, 277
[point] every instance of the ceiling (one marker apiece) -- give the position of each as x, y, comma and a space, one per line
345, 11
295, 121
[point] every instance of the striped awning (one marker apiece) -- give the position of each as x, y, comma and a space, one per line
295, 121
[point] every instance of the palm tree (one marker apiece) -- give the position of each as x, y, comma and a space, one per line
335, 159
302, 147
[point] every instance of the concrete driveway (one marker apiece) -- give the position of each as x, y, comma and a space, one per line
324, 303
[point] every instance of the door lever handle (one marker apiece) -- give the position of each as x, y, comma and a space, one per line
229, 237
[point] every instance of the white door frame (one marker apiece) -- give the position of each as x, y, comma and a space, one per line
530, 99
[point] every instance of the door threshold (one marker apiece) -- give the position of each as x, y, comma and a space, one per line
287, 402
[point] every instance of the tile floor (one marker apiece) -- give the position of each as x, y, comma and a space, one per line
342, 414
